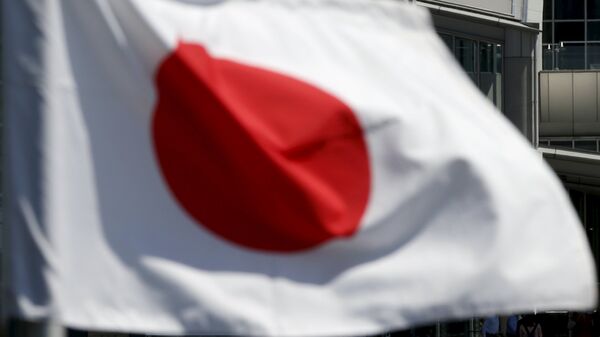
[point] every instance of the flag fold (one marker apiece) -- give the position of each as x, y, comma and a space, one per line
281, 168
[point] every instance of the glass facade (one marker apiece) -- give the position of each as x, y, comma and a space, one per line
482, 62
571, 34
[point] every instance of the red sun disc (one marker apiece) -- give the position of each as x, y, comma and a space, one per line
259, 158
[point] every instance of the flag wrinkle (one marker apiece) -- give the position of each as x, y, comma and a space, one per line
150, 37
315, 200
92, 23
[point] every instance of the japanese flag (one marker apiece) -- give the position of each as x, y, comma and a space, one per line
283, 168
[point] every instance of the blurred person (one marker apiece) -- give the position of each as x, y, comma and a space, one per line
530, 327
491, 327
584, 325
512, 322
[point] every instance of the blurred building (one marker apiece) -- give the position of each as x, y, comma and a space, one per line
547, 84
498, 43
571, 38
569, 129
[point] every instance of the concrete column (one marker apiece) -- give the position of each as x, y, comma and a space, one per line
520, 69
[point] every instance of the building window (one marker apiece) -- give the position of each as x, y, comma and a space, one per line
482, 61
465, 52
569, 9
593, 59
593, 9
571, 34
593, 31
548, 10
571, 56
569, 31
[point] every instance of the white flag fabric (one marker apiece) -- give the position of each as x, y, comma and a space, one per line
282, 168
